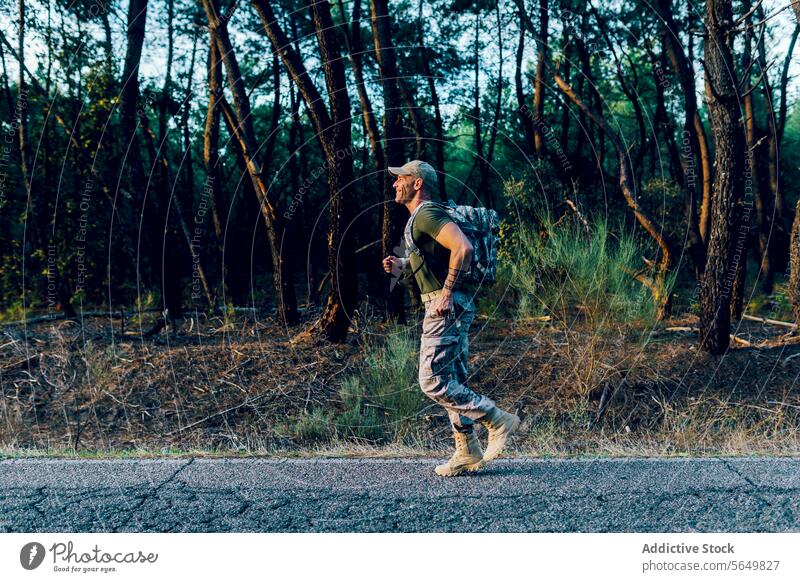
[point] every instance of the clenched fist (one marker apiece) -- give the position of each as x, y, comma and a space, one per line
394, 265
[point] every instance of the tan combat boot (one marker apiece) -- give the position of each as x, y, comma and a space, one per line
501, 425
468, 456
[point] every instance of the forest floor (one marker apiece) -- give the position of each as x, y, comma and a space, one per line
243, 386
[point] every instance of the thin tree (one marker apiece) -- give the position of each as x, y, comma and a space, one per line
483, 188
426, 56
37, 203
285, 299
538, 84
697, 155
777, 210
794, 242
334, 134
356, 51
212, 187
393, 217
723, 249
522, 106
132, 174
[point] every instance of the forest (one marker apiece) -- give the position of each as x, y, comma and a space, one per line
170, 161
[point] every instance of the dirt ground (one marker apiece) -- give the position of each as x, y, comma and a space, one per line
229, 385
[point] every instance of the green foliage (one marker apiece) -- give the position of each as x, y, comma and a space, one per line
382, 399
146, 301
774, 306
228, 313
565, 265
666, 201
379, 402
310, 428
13, 312
360, 419
99, 363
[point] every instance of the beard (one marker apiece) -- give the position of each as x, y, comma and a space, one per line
403, 194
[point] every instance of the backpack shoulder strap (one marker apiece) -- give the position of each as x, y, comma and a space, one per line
411, 245
409, 230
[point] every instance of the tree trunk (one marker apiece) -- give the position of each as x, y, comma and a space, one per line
694, 154
587, 79
186, 194
417, 126
295, 215
794, 284
782, 216
272, 136
285, 300
707, 172
566, 71
438, 127
523, 110
794, 241
682, 169
393, 214
6, 77
489, 193
538, 84
752, 183
22, 104
341, 251
108, 45
386, 56
239, 217
131, 208
171, 273
36, 217
164, 195
212, 189
480, 160
725, 243
355, 51
794, 265
333, 132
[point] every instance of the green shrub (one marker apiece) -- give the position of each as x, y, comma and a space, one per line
309, 428
360, 419
381, 400
13, 312
567, 266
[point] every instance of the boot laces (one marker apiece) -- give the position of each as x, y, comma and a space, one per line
492, 424
497, 422
462, 442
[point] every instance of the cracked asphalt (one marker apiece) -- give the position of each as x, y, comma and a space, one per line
380, 495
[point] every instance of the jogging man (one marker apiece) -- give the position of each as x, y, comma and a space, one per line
449, 311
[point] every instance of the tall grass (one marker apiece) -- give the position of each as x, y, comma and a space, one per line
379, 401
567, 266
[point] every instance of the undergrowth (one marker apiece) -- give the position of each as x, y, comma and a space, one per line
379, 403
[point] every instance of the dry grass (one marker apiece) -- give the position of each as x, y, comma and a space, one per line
582, 389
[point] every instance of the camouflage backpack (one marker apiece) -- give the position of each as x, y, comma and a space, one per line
481, 226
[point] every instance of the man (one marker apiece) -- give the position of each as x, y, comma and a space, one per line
449, 311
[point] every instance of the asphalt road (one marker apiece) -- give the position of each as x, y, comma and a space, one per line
349, 495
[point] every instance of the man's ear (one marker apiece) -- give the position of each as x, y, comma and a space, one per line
418, 184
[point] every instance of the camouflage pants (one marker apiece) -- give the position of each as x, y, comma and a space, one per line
443, 355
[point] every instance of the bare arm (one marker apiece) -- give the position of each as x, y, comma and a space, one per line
453, 239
